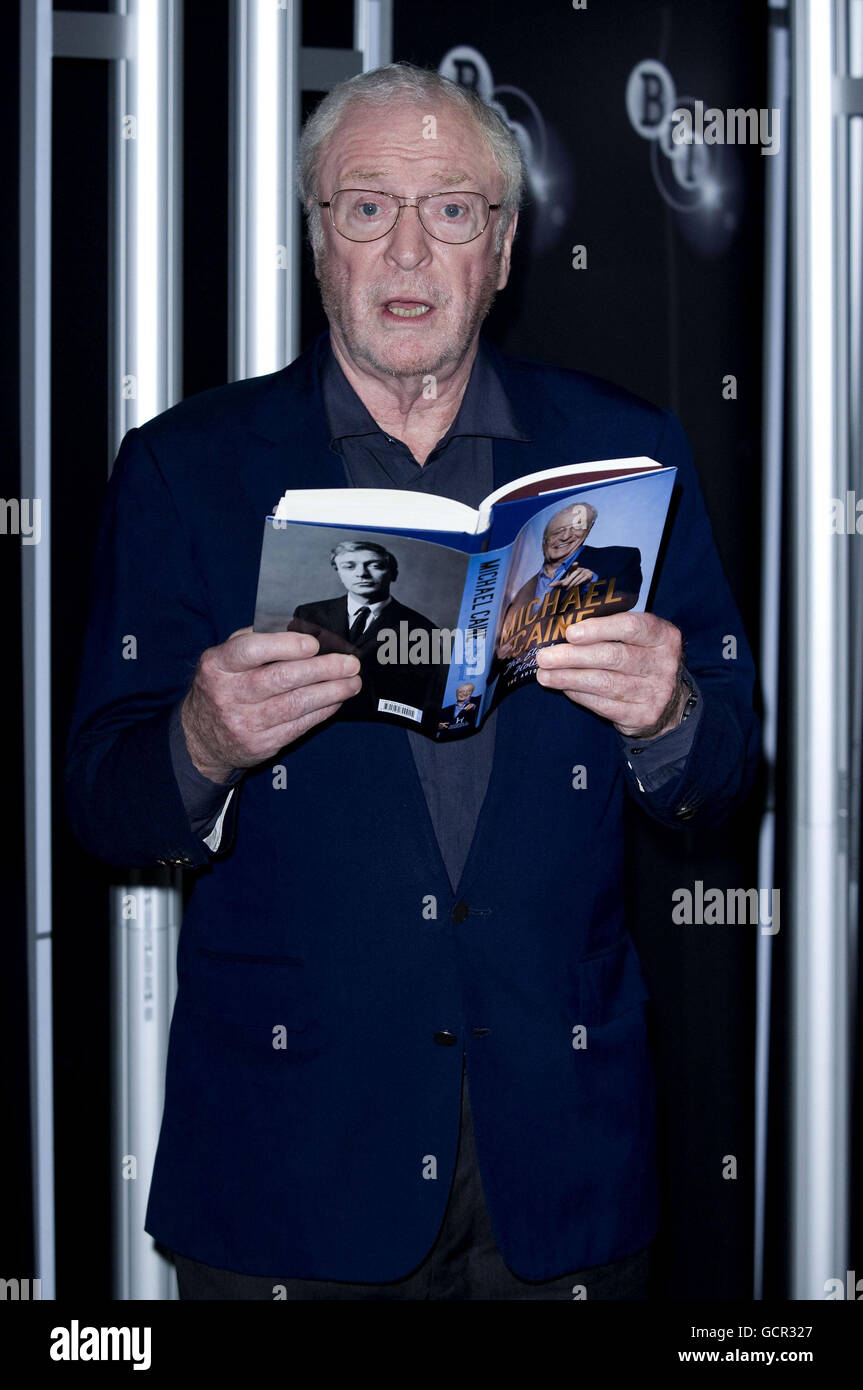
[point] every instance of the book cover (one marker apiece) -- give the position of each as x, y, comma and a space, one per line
446, 622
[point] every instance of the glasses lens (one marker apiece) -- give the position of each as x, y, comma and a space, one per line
361, 215
454, 216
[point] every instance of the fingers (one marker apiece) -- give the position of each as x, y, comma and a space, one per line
279, 677
609, 656
625, 716
246, 649
637, 629
253, 732
578, 576
606, 656
610, 686
602, 643
271, 741
268, 715
631, 703
258, 692
624, 667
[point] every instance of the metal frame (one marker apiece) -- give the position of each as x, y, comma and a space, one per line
820, 877
35, 406
145, 374
143, 44
851, 105
264, 243
269, 71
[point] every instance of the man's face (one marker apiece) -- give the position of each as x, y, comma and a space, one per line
364, 285
463, 693
364, 574
565, 534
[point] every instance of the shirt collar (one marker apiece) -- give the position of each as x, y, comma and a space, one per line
485, 408
355, 604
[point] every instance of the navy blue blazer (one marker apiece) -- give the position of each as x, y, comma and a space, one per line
323, 950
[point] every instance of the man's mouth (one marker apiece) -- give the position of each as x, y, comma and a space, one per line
407, 308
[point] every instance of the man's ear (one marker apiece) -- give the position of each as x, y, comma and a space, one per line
506, 252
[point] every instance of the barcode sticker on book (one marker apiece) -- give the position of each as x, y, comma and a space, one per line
406, 711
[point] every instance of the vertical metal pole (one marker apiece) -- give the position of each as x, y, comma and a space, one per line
35, 402
264, 254
373, 32
146, 135
855, 446
147, 145
773, 408
819, 872
144, 984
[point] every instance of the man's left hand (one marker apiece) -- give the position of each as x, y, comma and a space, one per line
626, 667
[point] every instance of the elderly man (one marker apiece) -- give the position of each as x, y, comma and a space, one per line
408, 1055
460, 717
608, 577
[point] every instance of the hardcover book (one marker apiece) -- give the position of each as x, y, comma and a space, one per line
447, 606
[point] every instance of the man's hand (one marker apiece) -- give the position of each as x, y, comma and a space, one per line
577, 576
626, 667
258, 692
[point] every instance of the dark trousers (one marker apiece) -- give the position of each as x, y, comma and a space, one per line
464, 1262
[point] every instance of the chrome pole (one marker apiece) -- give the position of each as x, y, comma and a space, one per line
35, 405
145, 334
819, 681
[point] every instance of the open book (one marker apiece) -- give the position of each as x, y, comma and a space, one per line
447, 606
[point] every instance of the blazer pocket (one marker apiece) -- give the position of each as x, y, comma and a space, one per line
251, 994
609, 984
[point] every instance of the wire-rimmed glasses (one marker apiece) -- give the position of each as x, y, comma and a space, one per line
363, 214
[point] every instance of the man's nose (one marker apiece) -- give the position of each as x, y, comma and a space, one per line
408, 244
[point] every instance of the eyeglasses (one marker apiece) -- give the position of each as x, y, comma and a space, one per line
363, 214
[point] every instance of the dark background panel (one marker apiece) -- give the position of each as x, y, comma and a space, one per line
79, 458
206, 86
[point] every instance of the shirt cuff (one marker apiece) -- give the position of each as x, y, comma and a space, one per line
653, 762
205, 802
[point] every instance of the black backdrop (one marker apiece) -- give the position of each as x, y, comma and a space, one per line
668, 306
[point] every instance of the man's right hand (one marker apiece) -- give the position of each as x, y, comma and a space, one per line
257, 693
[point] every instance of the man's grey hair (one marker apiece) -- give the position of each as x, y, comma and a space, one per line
427, 89
591, 515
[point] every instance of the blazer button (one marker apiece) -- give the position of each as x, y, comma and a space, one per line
460, 912
445, 1038
685, 812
